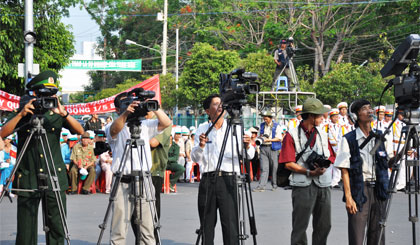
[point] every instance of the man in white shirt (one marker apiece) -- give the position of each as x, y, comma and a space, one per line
123, 207
218, 190
365, 178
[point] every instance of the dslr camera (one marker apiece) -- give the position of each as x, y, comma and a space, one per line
236, 85
315, 160
43, 100
145, 105
290, 48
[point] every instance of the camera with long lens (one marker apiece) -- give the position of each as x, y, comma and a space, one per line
234, 86
260, 140
406, 86
315, 160
145, 105
43, 100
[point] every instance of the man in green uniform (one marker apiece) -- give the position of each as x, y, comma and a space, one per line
33, 162
82, 156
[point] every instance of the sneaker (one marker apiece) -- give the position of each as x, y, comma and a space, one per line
274, 188
84, 192
258, 189
72, 192
171, 189
107, 191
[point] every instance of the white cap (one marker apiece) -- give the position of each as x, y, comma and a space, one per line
91, 134
192, 128
342, 105
185, 130
248, 133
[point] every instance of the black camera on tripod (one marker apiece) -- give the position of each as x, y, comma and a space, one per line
406, 86
236, 85
290, 48
315, 160
43, 100
145, 105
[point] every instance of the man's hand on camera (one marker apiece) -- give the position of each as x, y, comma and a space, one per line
247, 140
318, 171
203, 140
28, 108
131, 108
60, 110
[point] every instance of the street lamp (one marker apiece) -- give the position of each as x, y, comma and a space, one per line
129, 42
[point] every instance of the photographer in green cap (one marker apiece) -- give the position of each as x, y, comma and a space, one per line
42, 91
307, 153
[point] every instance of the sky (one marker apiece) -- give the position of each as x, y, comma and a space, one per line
83, 27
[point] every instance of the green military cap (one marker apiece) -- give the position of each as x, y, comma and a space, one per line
314, 106
43, 79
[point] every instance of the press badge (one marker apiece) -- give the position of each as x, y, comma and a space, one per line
382, 153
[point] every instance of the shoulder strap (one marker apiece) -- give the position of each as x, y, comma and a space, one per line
311, 137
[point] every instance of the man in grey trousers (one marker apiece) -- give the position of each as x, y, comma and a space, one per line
270, 131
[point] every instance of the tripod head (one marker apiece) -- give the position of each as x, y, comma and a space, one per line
235, 111
135, 127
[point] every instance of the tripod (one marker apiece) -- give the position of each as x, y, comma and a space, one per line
141, 182
242, 181
293, 75
43, 179
411, 135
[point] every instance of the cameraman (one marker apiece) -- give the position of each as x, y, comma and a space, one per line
310, 188
217, 191
365, 178
123, 207
282, 62
33, 162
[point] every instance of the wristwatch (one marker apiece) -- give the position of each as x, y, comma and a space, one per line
308, 172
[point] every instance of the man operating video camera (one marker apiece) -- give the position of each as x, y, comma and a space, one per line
41, 102
132, 110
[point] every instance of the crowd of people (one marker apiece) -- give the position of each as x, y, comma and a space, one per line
318, 149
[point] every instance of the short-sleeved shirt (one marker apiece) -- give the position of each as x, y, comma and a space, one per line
343, 154
83, 156
268, 130
149, 128
288, 151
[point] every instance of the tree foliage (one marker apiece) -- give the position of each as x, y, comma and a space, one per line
200, 77
347, 82
262, 64
54, 44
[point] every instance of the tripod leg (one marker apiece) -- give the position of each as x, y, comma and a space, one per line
55, 185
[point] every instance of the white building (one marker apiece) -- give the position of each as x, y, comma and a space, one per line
73, 80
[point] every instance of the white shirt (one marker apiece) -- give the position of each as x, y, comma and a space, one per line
209, 155
342, 159
148, 130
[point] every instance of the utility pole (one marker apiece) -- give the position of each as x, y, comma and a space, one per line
165, 36
176, 68
29, 37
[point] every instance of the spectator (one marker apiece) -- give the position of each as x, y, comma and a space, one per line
82, 157
106, 162
177, 138
255, 161
65, 149
93, 123
108, 120
8, 161
100, 146
189, 144
173, 164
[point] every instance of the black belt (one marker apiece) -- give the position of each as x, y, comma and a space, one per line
221, 173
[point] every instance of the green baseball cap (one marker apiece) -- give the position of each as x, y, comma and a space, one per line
43, 79
314, 106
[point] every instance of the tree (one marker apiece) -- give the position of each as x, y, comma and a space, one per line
171, 96
262, 64
200, 77
347, 82
54, 44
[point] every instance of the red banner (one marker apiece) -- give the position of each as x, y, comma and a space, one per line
9, 102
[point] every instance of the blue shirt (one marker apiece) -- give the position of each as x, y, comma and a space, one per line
65, 152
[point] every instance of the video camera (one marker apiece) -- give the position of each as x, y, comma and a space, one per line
145, 105
315, 160
406, 86
290, 48
43, 100
236, 85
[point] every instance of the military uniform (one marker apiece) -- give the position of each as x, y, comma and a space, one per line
82, 156
33, 162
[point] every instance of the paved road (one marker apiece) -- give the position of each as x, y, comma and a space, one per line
180, 219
